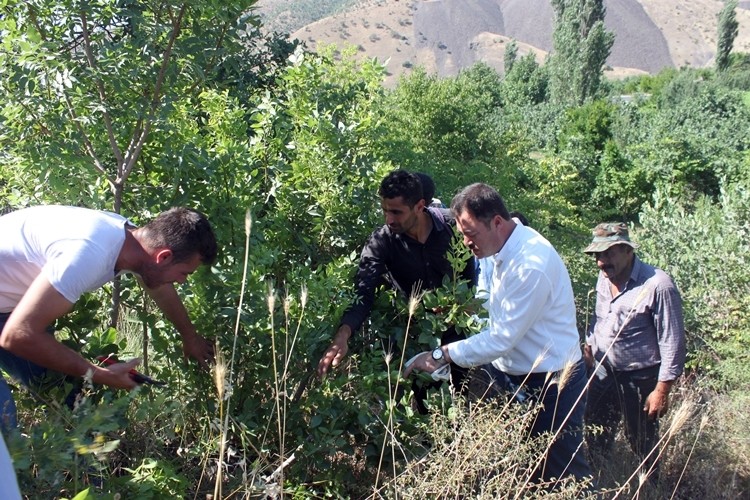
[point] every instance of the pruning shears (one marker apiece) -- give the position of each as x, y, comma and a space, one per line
137, 376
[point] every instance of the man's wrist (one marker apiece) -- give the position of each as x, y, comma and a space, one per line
97, 374
446, 354
663, 387
344, 333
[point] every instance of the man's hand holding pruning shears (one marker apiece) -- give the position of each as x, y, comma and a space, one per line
128, 367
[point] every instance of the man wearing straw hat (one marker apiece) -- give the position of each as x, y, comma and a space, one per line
635, 344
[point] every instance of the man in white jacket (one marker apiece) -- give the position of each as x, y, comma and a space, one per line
531, 335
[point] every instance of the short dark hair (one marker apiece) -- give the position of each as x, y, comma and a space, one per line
185, 232
404, 184
428, 187
521, 217
482, 201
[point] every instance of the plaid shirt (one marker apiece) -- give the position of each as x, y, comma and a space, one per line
644, 322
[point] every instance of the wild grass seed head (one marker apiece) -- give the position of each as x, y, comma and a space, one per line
248, 222
538, 361
270, 296
220, 374
414, 300
681, 416
303, 296
287, 304
565, 374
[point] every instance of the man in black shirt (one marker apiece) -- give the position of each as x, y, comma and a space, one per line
409, 250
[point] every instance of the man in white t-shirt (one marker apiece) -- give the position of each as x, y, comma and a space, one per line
51, 255
531, 335
8, 482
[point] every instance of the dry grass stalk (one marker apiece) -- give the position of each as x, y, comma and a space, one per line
481, 457
281, 380
271, 301
703, 424
680, 417
566, 374
414, 299
220, 370
225, 420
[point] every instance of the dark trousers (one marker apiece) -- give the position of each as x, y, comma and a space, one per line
29, 375
617, 394
561, 409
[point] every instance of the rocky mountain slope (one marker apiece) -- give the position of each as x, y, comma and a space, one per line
444, 36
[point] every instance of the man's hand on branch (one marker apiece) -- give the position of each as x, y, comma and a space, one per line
199, 348
336, 351
116, 375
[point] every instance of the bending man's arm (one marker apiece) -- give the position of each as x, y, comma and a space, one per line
370, 273
25, 336
193, 345
513, 311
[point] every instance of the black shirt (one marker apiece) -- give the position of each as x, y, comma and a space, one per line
402, 262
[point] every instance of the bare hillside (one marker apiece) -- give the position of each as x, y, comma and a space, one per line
444, 36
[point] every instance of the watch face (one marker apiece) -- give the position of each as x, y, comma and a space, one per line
437, 354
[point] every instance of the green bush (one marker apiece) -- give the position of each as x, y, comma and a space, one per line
703, 245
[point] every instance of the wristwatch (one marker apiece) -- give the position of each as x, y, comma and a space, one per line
438, 355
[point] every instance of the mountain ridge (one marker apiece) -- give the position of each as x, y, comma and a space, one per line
445, 36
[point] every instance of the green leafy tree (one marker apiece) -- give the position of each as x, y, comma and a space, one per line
702, 244
621, 187
581, 47
455, 129
696, 139
727, 33
584, 135
87, 85
510, 56
448, 117
103, 102
525, 84
318, 147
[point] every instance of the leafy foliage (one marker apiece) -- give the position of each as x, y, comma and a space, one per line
216, 116
317, 141
87, 84
702, 245
525, 83
581, 48
727, 33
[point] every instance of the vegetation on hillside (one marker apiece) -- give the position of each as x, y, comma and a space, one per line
138, 106
287, 16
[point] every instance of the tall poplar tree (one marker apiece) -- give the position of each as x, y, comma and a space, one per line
727, 32
581, 47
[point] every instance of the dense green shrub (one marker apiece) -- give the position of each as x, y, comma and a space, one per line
703, 245
303, 144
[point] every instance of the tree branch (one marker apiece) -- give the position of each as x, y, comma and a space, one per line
212, 62
133, 153
87, 143
35, 22
102, 94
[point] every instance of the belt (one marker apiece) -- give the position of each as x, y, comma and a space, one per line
532, 377
539, 378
